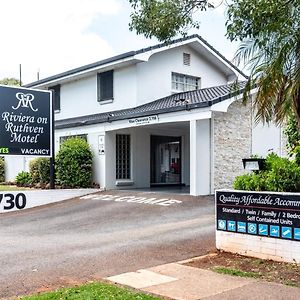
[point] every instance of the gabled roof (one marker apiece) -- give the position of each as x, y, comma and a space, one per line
132, 55
176, 102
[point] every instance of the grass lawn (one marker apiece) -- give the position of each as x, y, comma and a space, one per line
92, 291
10, 188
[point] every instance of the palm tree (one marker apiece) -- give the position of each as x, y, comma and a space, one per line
273, 56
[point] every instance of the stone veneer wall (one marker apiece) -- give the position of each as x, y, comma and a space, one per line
232, 136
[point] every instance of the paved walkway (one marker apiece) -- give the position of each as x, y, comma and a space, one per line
177, 281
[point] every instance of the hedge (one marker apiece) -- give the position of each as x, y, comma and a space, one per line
40, 170
74, 164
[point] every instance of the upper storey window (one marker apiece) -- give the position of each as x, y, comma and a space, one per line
105, 85
184, 83
56, 100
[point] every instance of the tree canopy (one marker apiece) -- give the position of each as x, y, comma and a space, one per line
164, 19
10, 81
269, 32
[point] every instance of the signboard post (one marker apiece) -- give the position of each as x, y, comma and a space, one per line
52, 138
26, 123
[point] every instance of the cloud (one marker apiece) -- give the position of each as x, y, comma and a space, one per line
51, 36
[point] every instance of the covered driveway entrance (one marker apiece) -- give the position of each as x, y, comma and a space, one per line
166, 156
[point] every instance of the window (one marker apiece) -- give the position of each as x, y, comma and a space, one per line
64, 138
122, 156
105, 84
56, 99
183, 83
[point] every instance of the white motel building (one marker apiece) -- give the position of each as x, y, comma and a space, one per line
160, 116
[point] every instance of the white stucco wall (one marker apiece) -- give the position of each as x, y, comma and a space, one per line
98, 159
154, 79
200, 157
110, 159
265, 139
79, 98
14, 165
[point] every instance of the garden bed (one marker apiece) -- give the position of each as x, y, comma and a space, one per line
238, 265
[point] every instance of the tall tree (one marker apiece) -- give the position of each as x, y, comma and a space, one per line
269, 32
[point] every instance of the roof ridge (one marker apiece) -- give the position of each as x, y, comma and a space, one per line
132, 53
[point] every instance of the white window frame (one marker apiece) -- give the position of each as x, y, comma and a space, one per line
184, 82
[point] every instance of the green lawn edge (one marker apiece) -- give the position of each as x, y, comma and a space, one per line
10, 188
92, 291
234, 272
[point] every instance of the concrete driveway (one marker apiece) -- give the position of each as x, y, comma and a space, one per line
90, 238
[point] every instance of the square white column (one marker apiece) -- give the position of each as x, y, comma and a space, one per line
200, 157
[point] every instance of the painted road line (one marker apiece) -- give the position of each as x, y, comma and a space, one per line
133, 199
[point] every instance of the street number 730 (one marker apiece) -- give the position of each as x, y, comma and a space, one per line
11, 201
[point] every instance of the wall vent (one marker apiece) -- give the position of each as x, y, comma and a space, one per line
186, 59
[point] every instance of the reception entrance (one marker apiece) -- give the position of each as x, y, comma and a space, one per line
165, 160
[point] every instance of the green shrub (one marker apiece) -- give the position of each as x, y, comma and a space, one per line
280, 175
40, 170
250, 182
2, 169
74, 163
23, 178
284, 176
272, 160
34, 170
243, 182
44, 170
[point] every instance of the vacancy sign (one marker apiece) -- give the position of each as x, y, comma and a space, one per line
25, 122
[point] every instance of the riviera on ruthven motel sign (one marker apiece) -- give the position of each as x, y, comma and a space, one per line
25, 122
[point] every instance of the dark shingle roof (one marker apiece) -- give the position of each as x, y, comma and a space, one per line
129, 54
176, 102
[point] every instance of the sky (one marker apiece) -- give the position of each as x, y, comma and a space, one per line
49, 37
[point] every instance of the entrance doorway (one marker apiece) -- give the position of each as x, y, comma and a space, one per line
165, 160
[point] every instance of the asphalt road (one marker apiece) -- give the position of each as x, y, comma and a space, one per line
84, 239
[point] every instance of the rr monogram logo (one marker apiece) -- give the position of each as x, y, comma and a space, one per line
25, 100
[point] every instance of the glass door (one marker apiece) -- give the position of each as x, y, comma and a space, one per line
165, 160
